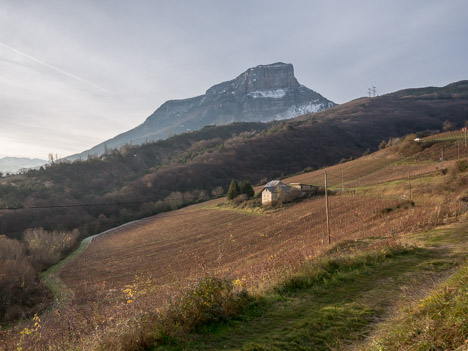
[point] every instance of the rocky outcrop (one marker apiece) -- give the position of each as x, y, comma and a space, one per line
262, 93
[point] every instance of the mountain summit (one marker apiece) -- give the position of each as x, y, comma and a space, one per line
262, 93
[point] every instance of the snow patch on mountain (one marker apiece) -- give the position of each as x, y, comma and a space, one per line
273, 94
310, 107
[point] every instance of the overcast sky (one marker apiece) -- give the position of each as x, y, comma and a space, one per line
75, 73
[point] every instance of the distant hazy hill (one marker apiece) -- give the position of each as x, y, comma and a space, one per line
14, 164
260, 94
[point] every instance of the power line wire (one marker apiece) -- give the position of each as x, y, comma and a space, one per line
90, 204
164, 201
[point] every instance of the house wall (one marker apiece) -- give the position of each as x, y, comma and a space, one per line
287, 193
304, 189
268, 197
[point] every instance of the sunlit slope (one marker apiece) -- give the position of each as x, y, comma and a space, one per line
176, 247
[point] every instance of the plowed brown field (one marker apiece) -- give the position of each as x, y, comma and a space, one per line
179, 246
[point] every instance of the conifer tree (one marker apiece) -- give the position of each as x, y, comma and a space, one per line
247, 189
234, 190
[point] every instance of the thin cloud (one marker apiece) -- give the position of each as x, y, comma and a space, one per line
57, 69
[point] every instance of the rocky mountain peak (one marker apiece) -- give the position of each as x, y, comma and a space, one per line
260, 94
261, 78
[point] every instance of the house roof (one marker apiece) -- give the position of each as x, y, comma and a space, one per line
276, 186
273, 183
278, 189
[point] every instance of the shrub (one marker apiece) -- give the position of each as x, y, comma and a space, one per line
344, 160
21, 293
409, 147
461, 166
210, 300
240, 199
47, 248
447, 126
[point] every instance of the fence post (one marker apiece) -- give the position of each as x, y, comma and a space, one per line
442, 157
342, 182
409, 185
327, 211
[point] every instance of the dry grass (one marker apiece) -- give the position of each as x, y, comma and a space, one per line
173, 250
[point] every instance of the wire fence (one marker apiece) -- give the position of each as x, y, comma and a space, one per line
178, 246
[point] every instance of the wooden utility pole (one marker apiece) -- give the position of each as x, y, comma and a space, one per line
442, 157
458, 150
327, 211
342, 182
465, 134
409, 185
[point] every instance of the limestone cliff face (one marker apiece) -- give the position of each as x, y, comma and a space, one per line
262, 93
260, 78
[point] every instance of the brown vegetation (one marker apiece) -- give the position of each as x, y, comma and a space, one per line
47, 248
21, 292
141, 179
174, 250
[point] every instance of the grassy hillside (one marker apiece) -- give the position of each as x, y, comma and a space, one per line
450, 91
278, 271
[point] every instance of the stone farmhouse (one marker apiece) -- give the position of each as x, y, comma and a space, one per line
276, 191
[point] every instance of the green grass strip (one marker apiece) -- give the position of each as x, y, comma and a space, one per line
439, 322
52, 281
318, 308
